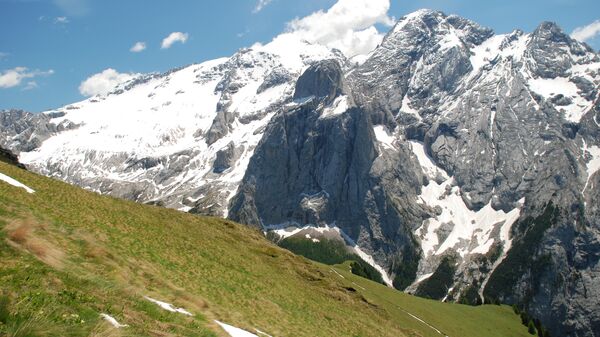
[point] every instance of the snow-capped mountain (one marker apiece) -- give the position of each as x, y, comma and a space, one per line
462, 162
181, 139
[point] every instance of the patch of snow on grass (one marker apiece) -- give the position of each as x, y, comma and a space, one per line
262, 333
15, 183
235, 332
113, 321
168, 306
422, 321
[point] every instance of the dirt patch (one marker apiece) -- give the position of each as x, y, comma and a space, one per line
25, 234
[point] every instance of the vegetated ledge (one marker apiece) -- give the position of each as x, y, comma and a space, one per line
330, 252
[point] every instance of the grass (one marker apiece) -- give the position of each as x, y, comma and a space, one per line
68, 255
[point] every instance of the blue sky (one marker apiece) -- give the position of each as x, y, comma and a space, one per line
48, 47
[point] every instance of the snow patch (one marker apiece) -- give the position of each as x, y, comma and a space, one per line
338, 107
422, 321
383, 137
593, 165
236, 332
427, 165
168, 306
15, 183
468, 231
423, 277
461, 224
113, 321
449, 41
550, 87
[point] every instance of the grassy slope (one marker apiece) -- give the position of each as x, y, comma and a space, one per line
67, 255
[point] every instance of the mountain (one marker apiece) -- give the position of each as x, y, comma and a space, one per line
75, 263
462, 164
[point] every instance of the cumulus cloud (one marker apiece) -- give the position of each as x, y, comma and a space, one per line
104, 82
174, 37
348, 26
14, 77
138, 47
587, 33
261, 5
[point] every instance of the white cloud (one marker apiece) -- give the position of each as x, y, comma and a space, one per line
261, 5
348, 26
61, 19
138, 47
14, 77
172, 38
587, 33
30, 85
104, 82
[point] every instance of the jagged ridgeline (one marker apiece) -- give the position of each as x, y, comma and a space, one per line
460, 164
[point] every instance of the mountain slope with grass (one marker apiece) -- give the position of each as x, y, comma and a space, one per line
75, 263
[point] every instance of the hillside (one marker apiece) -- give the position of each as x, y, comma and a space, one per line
69, 255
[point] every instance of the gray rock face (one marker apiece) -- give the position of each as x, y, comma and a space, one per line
226, 158
8, 157
447, 143
322, 80
480, 105
24, 131
320, 169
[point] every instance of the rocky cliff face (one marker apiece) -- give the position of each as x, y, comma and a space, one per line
463, 163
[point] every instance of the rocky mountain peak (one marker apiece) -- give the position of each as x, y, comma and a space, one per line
324, 79
550, 31
436, 25
554, 52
